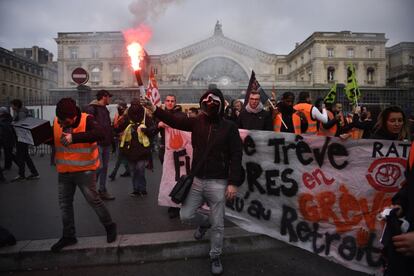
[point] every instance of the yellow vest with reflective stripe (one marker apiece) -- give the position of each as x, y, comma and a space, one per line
75, 157
306, 109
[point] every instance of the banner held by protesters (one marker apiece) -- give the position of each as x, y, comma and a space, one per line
318, 193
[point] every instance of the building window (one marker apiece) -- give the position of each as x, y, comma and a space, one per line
95, 75
411, 60
280, 70
3, 89
370, 75
331, 52
73, 53
350, 52
116, 51
116, 75
302, 60
331, 74
370, 53
95, 52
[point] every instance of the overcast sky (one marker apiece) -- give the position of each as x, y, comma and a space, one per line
271, 26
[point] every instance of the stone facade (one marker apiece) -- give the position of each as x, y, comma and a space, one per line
20, 77
316, 63
400, 62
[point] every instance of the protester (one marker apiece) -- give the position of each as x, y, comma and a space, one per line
137, 131
192, 112
311, 113
7, 137
98, 109
121, 108
77, 159
22, 150
219, 176
401, 261
254, 116
286, 118
391, 125
170, 104
336, 121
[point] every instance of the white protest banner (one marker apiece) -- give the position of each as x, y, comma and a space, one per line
319, 193
177, 162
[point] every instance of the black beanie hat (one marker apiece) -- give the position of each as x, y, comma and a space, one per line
66, 108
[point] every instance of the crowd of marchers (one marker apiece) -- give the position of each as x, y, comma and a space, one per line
84, 137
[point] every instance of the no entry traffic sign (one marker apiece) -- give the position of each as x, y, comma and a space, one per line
80, 76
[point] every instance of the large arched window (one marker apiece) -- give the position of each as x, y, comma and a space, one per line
370, 74
330, 73
220, 70
95, 74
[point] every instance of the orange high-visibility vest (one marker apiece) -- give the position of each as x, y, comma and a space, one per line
277, 123
328, 132
306, 109
75, 157
356, 133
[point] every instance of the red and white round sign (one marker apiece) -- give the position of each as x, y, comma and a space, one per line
80, 76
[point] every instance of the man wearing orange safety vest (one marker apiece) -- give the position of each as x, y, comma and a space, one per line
336, 121
75, 138
286, 118
312, 114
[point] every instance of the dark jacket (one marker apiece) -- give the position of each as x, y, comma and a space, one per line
101, 114
259, 121
382, 134
366, 125
7, 137
93, 132
133, 150
224, 159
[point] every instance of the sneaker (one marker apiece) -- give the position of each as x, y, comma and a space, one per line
33, 176
111, 232
135, 194
200, 232
18, 178
216, 267
63, 242
106, 196
125, 174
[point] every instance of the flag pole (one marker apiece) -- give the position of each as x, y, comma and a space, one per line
281, 119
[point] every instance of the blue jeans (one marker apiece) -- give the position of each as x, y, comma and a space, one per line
211, 191
137, 168
101, 173
86, 181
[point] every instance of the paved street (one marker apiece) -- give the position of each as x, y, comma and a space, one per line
29, 209
287, 261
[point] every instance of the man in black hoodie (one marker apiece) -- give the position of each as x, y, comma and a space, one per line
220, 174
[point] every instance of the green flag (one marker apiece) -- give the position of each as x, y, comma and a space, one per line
331, 96
351, 89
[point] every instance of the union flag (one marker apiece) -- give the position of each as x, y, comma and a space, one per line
152, 90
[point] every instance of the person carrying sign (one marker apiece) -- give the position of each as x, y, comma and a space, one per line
220, 174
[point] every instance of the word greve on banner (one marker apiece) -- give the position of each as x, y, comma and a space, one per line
318, 193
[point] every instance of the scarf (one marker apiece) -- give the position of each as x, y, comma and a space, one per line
255, 110
127, 135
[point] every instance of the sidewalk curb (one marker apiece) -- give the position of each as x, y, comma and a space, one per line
127, 249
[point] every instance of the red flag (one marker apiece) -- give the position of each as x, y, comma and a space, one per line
152, 91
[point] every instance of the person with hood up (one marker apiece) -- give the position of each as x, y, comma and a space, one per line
220, 174
137, 130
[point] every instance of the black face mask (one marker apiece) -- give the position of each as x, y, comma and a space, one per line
212, 109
